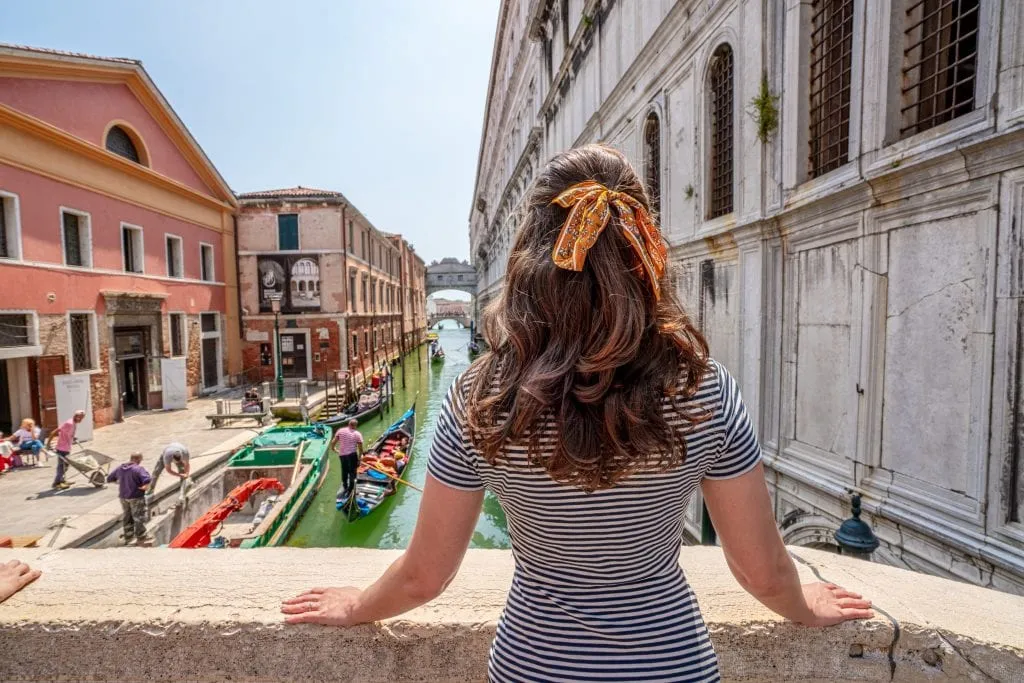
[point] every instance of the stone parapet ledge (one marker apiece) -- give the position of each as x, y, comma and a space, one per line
204, 615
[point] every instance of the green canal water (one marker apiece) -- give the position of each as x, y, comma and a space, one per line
391, 525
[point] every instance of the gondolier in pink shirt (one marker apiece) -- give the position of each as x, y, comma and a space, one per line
350, 447
65, 438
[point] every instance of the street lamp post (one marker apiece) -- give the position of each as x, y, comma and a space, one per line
854, 536
275, 305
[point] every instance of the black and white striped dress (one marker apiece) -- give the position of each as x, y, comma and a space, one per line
598, 593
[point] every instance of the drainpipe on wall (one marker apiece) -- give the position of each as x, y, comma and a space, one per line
343, 342
238, 295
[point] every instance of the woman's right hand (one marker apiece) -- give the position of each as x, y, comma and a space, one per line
830, 604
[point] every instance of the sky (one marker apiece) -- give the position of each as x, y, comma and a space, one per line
382, 100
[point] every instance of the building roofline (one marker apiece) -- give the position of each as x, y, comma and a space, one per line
124, 70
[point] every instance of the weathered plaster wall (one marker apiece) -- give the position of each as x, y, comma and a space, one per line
100, 615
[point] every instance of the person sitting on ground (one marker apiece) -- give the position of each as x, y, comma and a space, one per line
596, 396
14, 576
175, 454
26, 439
65, 435
132, 482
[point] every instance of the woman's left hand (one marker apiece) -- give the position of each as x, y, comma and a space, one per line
328, 606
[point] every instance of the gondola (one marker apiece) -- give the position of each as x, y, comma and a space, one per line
353, 412
271, 480
391, 453
437, 356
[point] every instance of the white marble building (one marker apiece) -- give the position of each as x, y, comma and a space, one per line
857, 262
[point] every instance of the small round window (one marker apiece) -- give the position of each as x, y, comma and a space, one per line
119, 142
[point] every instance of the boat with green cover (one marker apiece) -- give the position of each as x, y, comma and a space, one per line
272, 479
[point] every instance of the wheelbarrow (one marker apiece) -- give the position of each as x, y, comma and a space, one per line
92, 465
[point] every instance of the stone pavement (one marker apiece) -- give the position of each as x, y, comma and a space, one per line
30, 507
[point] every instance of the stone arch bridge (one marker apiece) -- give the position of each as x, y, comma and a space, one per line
451, 273
433, 320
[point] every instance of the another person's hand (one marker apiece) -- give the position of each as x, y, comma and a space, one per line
14, 576
831, 604
328, 606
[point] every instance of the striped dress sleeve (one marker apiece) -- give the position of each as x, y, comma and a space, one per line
740, 451
450, 462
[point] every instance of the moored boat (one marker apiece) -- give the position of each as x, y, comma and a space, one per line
360, 411
271, 480
380, 468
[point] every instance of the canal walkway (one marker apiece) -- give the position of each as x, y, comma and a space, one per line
34, 510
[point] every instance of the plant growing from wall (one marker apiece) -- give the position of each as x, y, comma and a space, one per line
765, 110
690, 192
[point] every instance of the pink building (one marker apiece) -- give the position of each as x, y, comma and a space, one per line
117, 240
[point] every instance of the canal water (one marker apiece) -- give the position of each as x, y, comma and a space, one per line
392, 525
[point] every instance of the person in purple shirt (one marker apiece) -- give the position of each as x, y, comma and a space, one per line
132, 481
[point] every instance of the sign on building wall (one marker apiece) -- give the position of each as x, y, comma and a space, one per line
175, 387
295, 278
74, 393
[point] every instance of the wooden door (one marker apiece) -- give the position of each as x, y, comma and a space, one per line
6, 419
211, 349
48, 368
293, 355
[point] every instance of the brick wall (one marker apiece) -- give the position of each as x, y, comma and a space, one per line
329, 349
53, 337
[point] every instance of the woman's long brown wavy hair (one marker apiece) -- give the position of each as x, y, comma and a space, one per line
593, 351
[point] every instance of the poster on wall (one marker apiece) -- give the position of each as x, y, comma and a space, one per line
296, 279
74, 393
175, 387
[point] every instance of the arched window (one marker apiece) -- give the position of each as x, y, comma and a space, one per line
720, 106
652, 160
119, 142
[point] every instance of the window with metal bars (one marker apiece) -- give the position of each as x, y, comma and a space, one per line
720, 90
940, 60
177, 334
652, 146
14, 330
82, 343
120, 143
831, 64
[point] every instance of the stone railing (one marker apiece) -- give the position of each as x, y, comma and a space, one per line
159, 614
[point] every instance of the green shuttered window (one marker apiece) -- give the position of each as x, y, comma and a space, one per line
288, 231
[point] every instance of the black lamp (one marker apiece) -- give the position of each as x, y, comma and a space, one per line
854, 535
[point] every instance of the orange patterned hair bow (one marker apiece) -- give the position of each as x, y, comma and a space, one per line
591, 205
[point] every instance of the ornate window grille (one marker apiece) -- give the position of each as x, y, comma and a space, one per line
177, 334
940, 61
831, 63
81, 342
119, 142
720, 79
652, 143
14, 330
